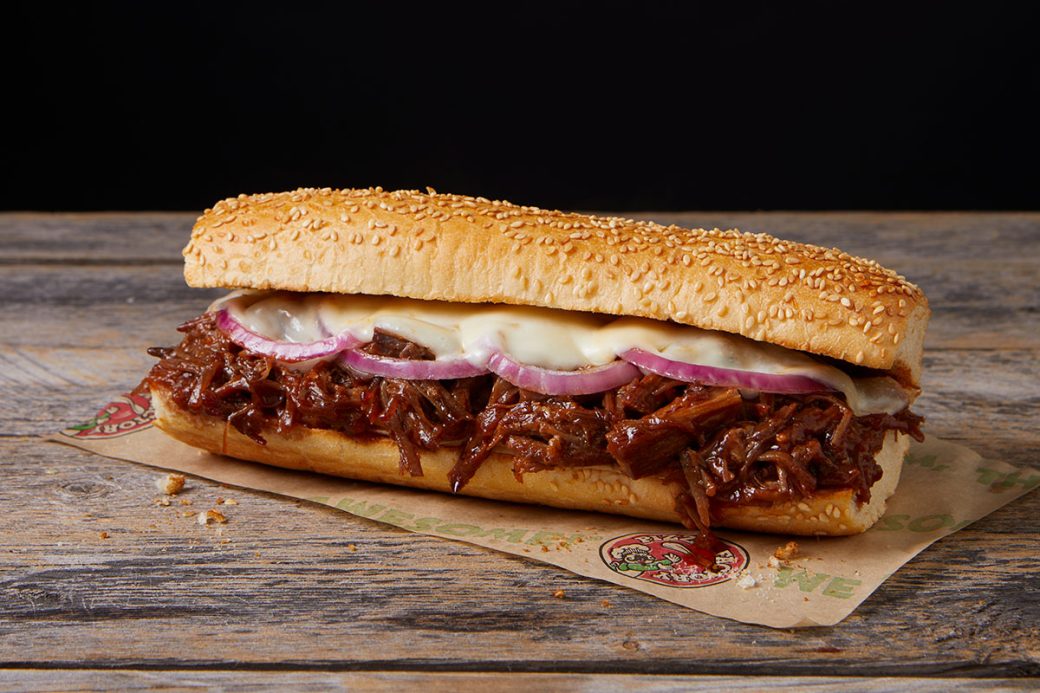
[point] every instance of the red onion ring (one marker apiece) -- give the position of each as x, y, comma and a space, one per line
283, 351
726, 377
410, 369
585, 381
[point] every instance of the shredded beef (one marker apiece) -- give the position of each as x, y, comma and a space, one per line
714, 445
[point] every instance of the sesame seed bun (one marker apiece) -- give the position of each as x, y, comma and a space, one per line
465, 249
603, 489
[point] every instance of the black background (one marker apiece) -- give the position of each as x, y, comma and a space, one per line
618, 106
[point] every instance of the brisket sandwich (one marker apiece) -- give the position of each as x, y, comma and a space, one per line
711, 378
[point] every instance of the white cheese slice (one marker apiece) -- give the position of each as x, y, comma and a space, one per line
544, 337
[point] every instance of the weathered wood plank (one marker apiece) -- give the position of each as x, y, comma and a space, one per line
362, 681
102, 238
163, 591
286, 591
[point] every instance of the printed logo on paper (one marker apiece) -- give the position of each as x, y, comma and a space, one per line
674, 560
128, 414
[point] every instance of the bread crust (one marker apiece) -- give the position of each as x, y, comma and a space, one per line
602, 489
457, 248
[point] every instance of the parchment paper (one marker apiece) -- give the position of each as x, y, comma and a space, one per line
944, 487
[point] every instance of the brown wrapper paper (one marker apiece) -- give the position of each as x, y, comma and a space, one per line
944, 487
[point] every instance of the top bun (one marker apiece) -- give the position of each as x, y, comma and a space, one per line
470, 249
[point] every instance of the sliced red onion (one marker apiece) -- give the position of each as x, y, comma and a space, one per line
283, 351
410, 369
727, 377
584, 381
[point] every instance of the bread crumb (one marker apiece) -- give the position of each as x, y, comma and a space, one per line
747, 581
102, 535
605, 604
774, 562
171, 484
164, 501
220, 500
230, 501
787, 552
351, 547
211, 516
187, 513
630, 645
559, 594
185, 501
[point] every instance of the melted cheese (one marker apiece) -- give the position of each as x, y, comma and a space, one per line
556, 339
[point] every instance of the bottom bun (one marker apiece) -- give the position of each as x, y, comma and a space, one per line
602, 489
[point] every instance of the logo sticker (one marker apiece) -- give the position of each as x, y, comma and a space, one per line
127, 414
674, 560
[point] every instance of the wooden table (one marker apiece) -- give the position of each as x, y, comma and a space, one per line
297, 595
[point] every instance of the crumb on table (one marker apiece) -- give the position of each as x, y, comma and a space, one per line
746, 581
171, 484
211, 516
787, 551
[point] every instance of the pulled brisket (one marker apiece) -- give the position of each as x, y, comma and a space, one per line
715, 445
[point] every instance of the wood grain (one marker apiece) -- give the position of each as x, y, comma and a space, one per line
363, 681
280, 588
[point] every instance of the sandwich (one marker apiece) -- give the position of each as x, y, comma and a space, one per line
469, 346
